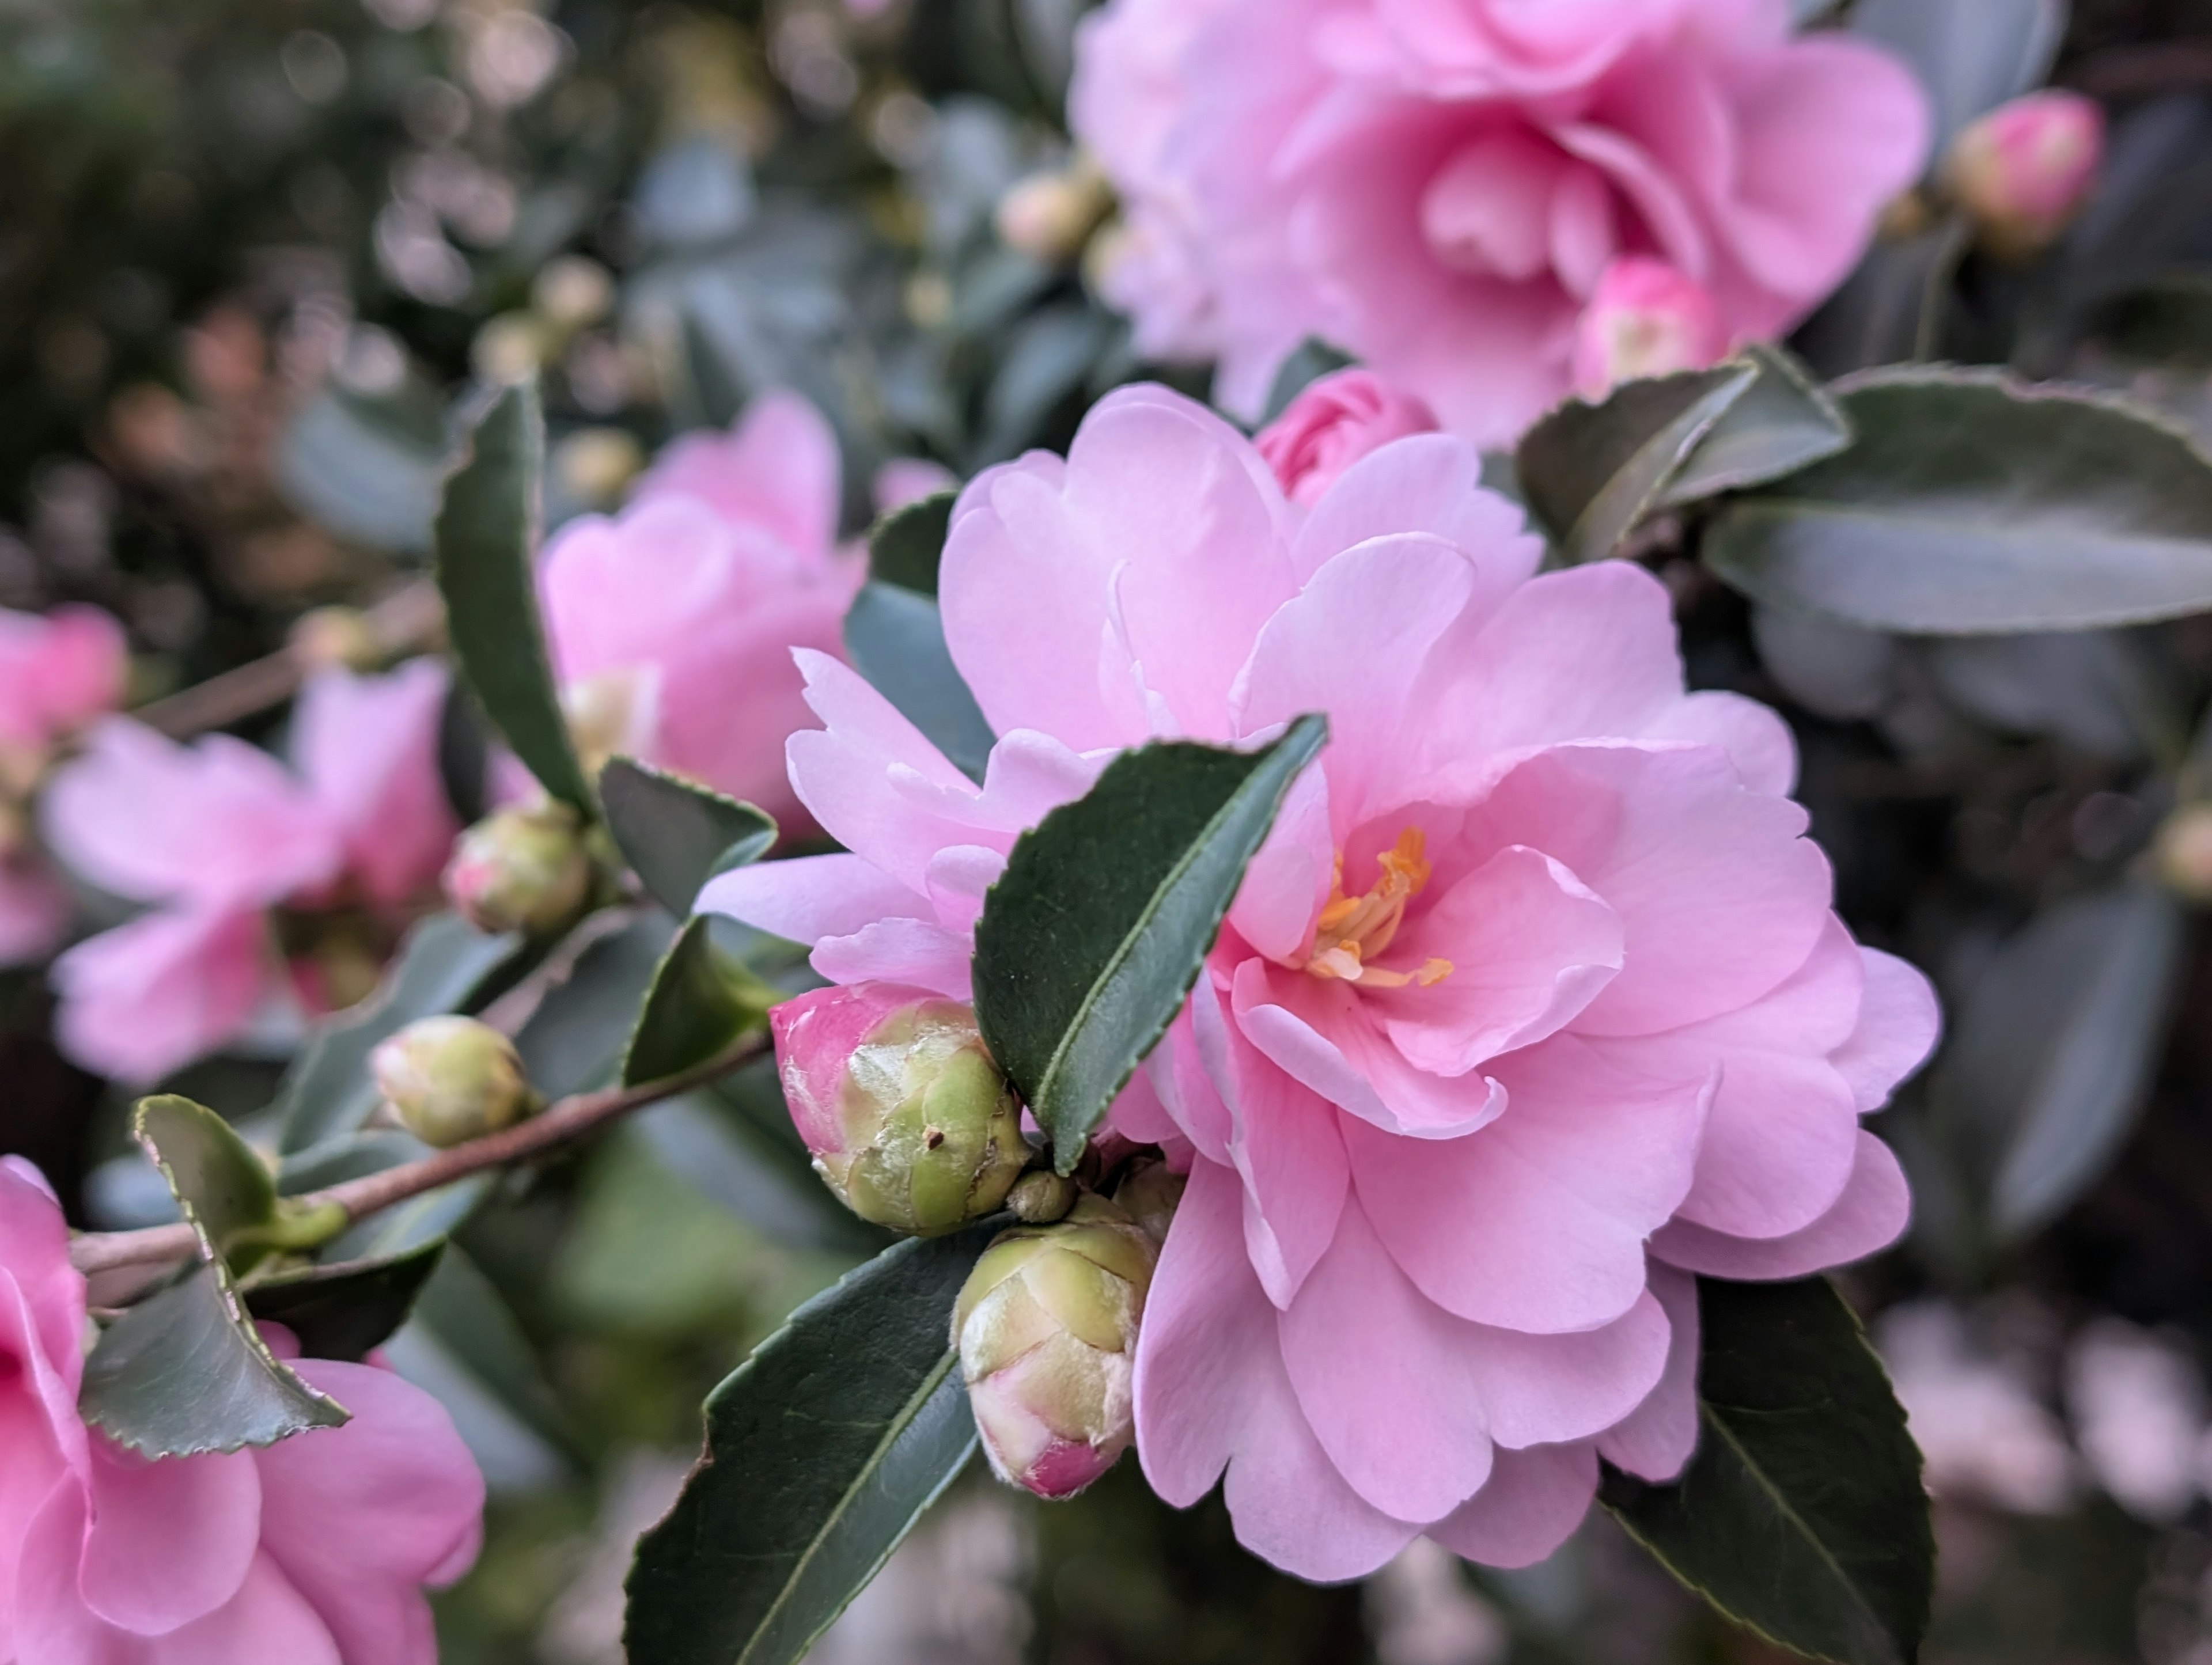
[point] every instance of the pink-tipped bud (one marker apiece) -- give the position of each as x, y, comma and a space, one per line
1333, 422
2023, 170
520, 870
910, 1122
452, 1079
1047, 1330
1645, 319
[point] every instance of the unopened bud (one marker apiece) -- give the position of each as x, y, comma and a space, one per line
594, 464
1645, 319
910, 1123
2024, 169
520, 870
2183, 852
1050, 215
452, 1079
1148, 1194
1040, 1196
1047, 1330
334, 638
573, 292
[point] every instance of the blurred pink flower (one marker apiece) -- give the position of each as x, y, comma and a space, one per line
1532, 1004
1645, 319
2024, 168
905, 480
57, 672
214, 835
1332, 423
1438, 185
312, 1551
670, 617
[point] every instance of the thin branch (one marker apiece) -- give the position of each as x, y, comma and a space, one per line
569, 1118
408, 618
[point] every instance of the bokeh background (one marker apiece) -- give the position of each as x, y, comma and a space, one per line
252, 252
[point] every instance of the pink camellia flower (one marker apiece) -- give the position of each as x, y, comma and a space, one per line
1438, 185
678, 612
1333, 422
1645, 319
312, 1551
1532, 1004
215, 834
2023, 169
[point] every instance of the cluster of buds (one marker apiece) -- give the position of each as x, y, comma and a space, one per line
2022, 172
451, 1080
913, 1126
523, 869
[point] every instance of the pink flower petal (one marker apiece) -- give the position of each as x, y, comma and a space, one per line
1656, 1438
898, 950
1899, 1022
1532, 1503
368, 747
150, 996
1871, 1214
778, 469
168, 1540
806, 898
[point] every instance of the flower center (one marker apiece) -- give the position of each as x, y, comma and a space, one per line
1354, 929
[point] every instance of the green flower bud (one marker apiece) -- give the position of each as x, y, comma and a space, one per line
520, 870
1148, 1194
1047, 1330
452, 1079
1040, 1196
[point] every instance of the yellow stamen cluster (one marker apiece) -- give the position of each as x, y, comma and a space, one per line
1353, 931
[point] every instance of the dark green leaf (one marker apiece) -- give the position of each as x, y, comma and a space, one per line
1971, 55
1591, 471
1802, 1513
347, 1157
488, 531
2053, 1048
575, 1042
1095, 932
327, 1092
2166, 321
1782, 422
220, 1184
365, 469
185, 1372
1894, 307
701, 1004
905, 545
896, 641
346, 1309
822, 1450
676, 835
431, 1218
1972, 504
759, 1177
1309, 363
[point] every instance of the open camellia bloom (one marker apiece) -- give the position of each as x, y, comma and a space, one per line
1532, 1004
315, 1550
681, 611
217, 833
1440, 187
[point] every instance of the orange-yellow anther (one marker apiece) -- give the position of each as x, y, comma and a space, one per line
1354, 930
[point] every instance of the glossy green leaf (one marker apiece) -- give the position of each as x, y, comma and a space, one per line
1591, 471
183, 1372
346, 1309
327, 1092
1896, 307
1971, 55
822, 1451
366, 469
702, 1002
2053, 1048
676, 833
905, 546
487, 541
1095, 932
1972, 504
895, 639
220, 1185
1782, 422
1802, 1514
575, 1041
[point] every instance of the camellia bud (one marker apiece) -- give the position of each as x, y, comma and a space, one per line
1047, 1329
892, 1088
520, 870
451, 1080
1040, 1196
2183, 852
1645, 319
2022, 170
1148, 1194
1050, 215
334, 636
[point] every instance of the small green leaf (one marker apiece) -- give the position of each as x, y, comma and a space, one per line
822, 1451
327, 1092
1782, 422
1097, 930
220, 1185
486, 539
1802, 1514
702, 1002
366, 469
1971, 55
1591, 471
183, 1372
346, 1309
1972, 503
575, 1041
676, 835
905, 546
896, 641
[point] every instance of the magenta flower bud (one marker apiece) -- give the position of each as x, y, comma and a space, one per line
909, 1120
2024, 168
1047, 1329
451, 1080
520, 870
1645, 319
